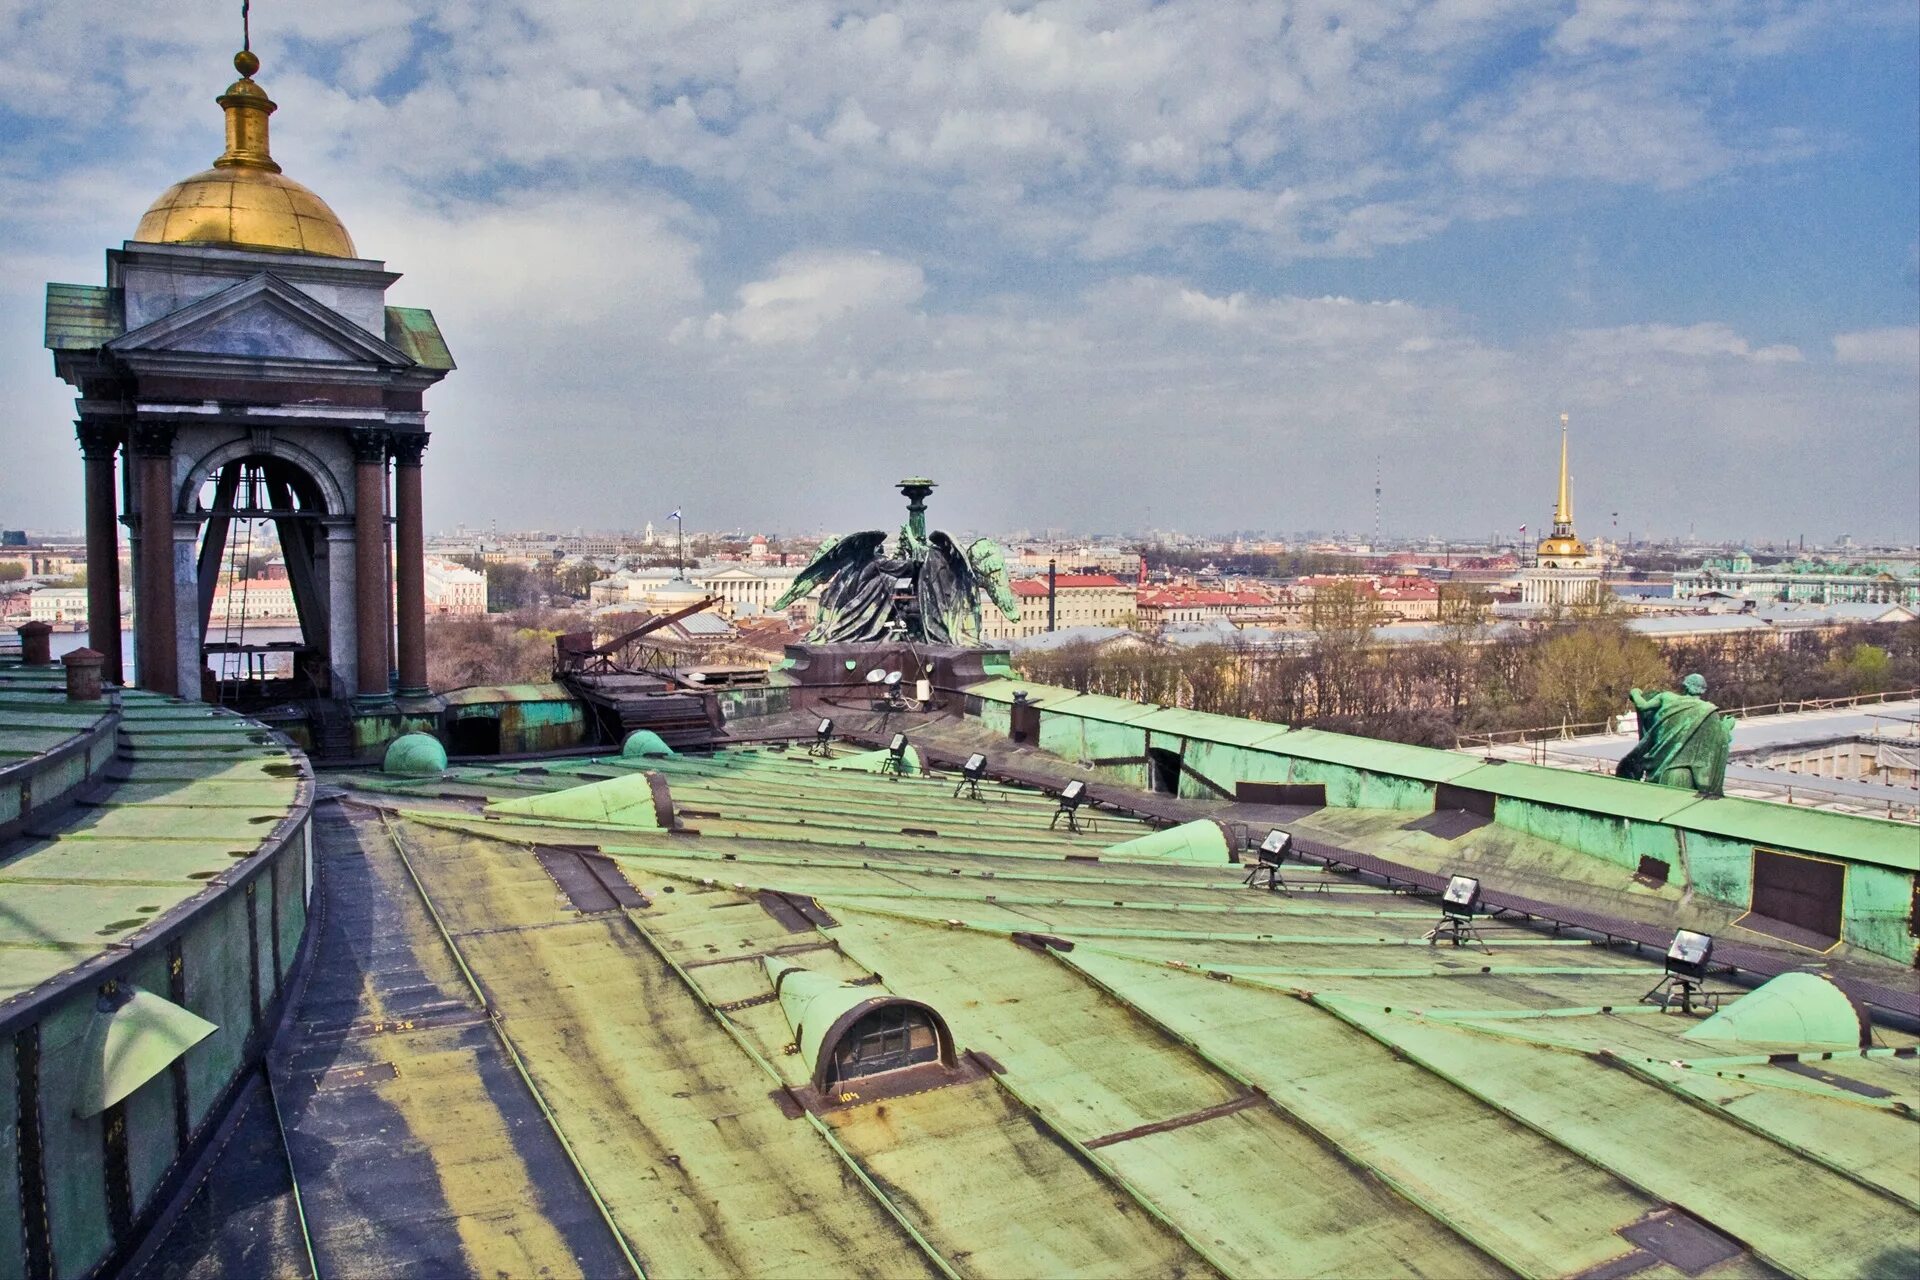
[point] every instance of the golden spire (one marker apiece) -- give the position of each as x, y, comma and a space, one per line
244, 201
1563, 513
247, 106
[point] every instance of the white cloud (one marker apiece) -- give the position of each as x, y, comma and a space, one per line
1328, 129
811, 291
1066, 198
1602, 126
1895, 346
1629, 345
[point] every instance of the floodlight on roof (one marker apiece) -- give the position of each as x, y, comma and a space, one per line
822, 738
970, 775
1071, 797
875, 676
1270, 853
1688, 956
1458, 903
1461, 897
893, 679
895, 765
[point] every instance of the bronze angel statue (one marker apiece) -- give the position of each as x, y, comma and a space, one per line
928, 591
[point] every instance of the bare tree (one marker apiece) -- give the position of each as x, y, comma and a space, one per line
1342, 618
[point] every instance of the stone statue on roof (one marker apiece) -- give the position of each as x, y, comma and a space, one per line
1684, 739
928, 591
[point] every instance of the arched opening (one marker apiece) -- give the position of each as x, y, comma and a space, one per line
1163, 771
892, 1037
474, 736
262, 580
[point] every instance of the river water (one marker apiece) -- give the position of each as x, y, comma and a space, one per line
277, 664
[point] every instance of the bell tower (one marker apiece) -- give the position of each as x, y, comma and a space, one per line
242, 370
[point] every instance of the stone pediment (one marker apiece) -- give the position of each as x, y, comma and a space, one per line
263, 317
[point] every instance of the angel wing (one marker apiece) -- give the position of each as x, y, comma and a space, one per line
835, 554
946, 592
990, 569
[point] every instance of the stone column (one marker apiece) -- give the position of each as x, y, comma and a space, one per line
155, 643
409, 554
98, 443
334, 566
369, 565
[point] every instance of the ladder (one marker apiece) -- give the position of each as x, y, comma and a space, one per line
235, 665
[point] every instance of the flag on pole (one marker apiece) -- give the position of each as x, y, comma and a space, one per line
1523, 528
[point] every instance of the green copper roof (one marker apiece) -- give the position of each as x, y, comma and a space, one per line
1161, 1070
1199, 842
488, 695
1839, 835
1596, 792
194, 792
1796, 1009
1423, 763
82, 317
875, 761
1096, 706
414, 331
1212, 728
1002, 689
630, 801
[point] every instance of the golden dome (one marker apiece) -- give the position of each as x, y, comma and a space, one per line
244, 200
1562, 548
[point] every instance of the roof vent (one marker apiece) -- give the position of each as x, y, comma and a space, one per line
847, 1033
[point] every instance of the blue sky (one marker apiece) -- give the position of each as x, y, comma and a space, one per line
1083, 263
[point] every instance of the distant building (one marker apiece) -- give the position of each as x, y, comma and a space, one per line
745, 590
1081, 559
252, 600
63, 608
1080, 600
1803, 581
1395, 599
1565, 571
1407, 600
45, 561
1171, 605
453, 590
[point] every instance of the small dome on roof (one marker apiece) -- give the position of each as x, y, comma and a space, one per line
244, 201
414, 755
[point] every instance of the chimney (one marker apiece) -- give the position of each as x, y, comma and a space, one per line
83, 674
36, 648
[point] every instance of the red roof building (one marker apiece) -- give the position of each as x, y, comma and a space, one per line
1164, 605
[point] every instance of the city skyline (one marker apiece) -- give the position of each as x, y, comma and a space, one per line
1070, 262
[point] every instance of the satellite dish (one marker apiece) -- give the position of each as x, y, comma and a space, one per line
875, 677
893, 679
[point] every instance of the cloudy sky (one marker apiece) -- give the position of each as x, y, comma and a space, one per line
1097, 265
